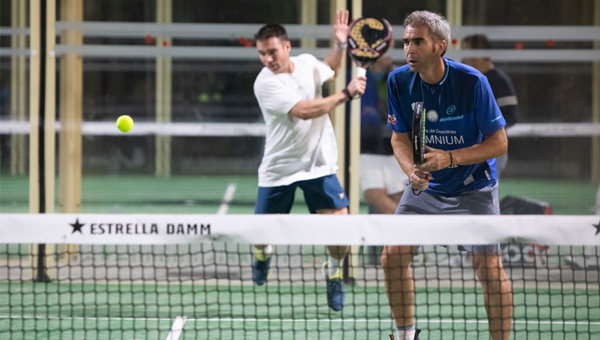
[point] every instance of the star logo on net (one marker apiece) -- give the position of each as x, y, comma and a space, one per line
77, 226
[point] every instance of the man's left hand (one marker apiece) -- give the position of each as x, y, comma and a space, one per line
435, 159
340, 29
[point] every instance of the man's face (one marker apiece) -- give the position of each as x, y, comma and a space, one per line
274, 54
421, 51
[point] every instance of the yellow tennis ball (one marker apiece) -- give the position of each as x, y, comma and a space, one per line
124, 123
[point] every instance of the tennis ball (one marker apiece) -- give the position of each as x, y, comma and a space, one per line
124, 123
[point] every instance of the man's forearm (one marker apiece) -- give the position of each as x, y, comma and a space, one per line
314, 108
403, 151
334, 58
492, 146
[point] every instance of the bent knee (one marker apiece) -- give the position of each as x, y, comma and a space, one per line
488, 266
397, 256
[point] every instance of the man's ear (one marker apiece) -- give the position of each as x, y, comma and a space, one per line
443, 44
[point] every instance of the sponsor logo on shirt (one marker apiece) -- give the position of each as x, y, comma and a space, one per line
444, 137
450, 110
447, 119
445, 140
391, 119
432, 116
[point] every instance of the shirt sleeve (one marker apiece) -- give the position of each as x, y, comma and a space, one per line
276, 98
488, 117
325, 72
395, 119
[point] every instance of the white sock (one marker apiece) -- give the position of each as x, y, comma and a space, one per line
405, 333
267, 251
333, 265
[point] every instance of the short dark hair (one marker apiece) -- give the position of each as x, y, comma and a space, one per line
271, 30
478, 42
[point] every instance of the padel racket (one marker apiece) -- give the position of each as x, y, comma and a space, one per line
418, 133
368, 40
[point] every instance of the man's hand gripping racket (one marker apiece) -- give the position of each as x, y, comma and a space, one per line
368, 39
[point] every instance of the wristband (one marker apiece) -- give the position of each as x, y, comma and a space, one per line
452, 165
347, 93
340, 46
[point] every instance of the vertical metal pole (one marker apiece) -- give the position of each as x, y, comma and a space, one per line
41, 275
163, 90
308, 16
353, 165
34, 106
354, 154
595, 156
22, 81
71, 98
42, 123
338, 116
17, 86
50, 104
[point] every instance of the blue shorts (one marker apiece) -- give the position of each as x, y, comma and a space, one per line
481, 202
319, 193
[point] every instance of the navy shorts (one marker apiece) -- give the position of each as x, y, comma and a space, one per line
319, 193
481, 202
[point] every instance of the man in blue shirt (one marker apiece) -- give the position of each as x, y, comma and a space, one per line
465, 132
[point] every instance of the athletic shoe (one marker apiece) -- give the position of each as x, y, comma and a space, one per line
260, 268
417, 331
580, 262
335, 290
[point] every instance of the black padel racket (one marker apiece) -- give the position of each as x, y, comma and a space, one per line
418, 133
368, 40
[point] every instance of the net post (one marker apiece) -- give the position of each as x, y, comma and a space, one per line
42, 117
41, 272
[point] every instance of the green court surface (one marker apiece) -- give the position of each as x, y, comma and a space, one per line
133, 311
237, 194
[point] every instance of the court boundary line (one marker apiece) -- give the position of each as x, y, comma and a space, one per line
227, 198
177, 328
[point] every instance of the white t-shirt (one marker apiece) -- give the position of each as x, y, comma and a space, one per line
295, 149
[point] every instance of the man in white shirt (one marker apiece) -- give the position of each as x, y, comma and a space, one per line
300, 148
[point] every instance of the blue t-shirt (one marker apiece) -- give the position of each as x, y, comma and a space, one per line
460, 111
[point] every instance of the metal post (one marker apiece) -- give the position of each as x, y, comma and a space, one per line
163, 90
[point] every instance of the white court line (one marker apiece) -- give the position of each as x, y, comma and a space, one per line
533, 322
229, 192
177, 328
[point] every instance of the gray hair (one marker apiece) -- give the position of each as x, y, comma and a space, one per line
439, 28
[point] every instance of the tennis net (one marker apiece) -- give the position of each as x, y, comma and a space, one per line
119, 276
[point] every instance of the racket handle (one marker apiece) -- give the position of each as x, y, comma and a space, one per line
361, 72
